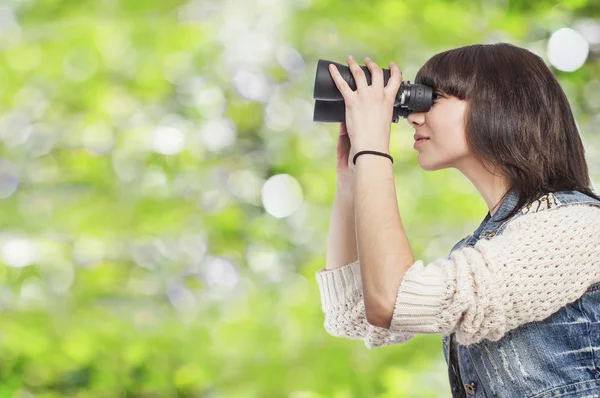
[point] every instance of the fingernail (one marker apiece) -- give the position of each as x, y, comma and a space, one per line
367, 59
350, 57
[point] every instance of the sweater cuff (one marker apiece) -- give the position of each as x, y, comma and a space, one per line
422, 296
339, 284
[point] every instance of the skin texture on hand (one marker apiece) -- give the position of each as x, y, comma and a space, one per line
369, 109
345, 152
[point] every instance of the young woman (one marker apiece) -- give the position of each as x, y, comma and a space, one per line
517, 302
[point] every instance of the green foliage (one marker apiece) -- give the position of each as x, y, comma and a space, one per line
116, 242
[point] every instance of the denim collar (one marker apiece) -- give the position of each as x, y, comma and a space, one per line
491, 223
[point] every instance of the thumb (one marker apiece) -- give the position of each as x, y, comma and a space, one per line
343, 129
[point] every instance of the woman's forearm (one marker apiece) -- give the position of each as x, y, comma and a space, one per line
341, 240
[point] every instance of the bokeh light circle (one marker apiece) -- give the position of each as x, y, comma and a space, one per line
567, 49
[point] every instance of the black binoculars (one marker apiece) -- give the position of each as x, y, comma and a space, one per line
329, 102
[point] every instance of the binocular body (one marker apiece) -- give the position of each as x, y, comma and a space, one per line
329, 102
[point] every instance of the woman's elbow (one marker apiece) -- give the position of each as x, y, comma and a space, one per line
378, 318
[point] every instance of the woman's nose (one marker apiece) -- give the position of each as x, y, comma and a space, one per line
416, 119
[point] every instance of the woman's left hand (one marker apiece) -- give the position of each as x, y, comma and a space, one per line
369, 109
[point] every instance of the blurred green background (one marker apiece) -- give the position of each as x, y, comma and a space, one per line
165, 195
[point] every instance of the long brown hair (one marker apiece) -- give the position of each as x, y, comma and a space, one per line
518, 118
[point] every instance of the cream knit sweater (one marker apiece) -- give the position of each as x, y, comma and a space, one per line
541, 262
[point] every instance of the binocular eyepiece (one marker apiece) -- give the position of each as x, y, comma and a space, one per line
329, 102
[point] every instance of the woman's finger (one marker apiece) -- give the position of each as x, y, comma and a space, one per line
343, 129
376, 73
358, 73
340, 83
395, 81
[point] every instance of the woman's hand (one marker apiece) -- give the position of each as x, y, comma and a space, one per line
369, 109
344, 153
345, 167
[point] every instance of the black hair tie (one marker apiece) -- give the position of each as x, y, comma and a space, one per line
374, 153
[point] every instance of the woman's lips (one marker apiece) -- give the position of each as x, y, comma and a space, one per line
420, 141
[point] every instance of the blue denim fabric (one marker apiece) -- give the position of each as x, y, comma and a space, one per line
556, 357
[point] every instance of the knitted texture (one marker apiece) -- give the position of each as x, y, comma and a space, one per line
540, 263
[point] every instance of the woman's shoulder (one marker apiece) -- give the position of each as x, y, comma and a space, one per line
555, 217
574, 228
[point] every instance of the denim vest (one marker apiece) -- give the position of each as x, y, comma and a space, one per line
556, 357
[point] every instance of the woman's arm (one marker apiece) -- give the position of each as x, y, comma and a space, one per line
340, 282
540, 263
342, 302
341, 241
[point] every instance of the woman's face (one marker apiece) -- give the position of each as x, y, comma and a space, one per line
444, 125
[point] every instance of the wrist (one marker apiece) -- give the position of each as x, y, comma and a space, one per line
345, 185
377, 148
371, 153
372, 147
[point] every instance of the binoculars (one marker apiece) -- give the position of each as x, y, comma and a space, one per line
329, 102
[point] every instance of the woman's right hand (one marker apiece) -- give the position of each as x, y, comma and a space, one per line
345, 167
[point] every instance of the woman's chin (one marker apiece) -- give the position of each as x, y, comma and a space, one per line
424, 165
428, 166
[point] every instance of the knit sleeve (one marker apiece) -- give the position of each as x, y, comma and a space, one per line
540, 263
343, 304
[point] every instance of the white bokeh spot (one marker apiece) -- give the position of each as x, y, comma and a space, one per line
168, 140
282, 195
567, 49
19, 252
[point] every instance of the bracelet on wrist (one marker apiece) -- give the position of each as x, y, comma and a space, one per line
372, 153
